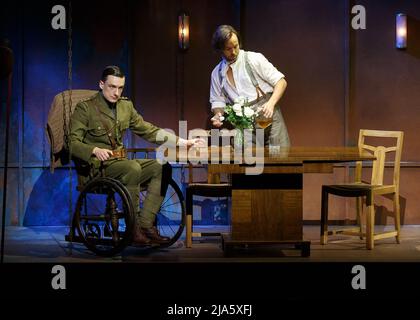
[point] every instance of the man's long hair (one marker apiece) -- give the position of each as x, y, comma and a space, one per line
221, 35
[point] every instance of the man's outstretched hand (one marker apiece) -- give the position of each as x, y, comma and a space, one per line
197, 142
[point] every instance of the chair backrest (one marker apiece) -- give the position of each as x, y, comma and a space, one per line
55, 124
380, 152
211, 177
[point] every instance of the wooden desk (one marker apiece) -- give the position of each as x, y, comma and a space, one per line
267, 208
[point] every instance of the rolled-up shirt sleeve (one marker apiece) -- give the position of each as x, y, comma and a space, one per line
217, 99
265, 69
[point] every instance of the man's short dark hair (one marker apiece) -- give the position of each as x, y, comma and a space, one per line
221, 35
112, 71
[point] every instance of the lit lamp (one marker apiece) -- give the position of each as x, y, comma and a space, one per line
401, 31
183, 31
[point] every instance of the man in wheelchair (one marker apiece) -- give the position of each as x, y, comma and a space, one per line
98, 126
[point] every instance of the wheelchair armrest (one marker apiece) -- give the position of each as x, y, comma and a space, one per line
146, 151
141, 150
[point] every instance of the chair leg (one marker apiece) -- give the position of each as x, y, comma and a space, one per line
359, 212
370, 224
189, 222
189, 231
324, 216
397, 216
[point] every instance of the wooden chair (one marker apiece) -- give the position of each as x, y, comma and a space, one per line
212, 188
368, 191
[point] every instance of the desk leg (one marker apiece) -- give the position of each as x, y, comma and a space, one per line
267, 207
267, 210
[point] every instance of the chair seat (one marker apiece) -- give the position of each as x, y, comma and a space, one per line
352, 186
210, 189
357, 189
209, 185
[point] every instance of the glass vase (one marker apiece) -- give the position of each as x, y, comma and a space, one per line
238, 139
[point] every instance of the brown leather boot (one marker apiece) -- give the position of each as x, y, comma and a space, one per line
153, 234
140, 238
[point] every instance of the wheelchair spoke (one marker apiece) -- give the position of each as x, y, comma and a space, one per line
161, 212
170, 205
168, 198
168, 224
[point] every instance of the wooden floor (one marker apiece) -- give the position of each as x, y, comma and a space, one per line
47, 244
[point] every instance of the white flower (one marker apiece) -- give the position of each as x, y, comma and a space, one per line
237, 108
248, 112
240, 100
240, 115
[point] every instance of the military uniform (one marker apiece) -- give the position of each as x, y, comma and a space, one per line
94, 124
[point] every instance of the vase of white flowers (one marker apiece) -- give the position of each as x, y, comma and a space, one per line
242, 117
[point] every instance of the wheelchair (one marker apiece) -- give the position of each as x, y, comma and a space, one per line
104, 215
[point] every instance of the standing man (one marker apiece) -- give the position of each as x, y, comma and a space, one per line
98, 126
250, 75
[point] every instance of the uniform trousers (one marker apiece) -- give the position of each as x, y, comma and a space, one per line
136, 175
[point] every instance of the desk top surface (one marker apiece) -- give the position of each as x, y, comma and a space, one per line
282, 156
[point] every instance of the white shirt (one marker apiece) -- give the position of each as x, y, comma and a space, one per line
265, 73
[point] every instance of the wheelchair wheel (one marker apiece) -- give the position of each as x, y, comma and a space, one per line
104, 216
171, 217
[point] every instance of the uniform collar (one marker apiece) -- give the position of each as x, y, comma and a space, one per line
103, 105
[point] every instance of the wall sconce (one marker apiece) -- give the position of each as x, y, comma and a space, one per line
401, 31
183, 31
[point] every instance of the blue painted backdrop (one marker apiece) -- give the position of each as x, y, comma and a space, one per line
103, 34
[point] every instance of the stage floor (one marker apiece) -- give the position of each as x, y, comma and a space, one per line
47, 244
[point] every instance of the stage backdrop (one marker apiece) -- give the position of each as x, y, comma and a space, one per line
339, 80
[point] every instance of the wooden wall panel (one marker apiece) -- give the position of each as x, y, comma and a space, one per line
170, 84
386, 82
305, 41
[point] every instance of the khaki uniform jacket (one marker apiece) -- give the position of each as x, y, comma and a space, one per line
88, 130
